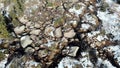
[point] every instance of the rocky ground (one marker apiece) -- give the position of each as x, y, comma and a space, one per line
59, 34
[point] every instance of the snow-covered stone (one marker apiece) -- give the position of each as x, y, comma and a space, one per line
68, 62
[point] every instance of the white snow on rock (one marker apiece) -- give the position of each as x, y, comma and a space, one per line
68, 62
89, 18
105, 63
79, 11
100, 37
116, 52
111, 23
3, 62
85, 26
93, 33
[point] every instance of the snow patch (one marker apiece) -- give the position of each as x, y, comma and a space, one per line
68, 62
111, 23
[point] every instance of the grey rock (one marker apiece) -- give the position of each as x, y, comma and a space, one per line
58, 32
42, 53
37, 25
73, 51
29, 50
19, 30
25, 41
69, 34
35, 32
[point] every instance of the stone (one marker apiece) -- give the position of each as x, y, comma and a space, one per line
33, 37
19, 30
74, 23
35, 32
23, 19
73, 51
69, 34
29, 50
28, 24
37, 25
25, 41
58, 32
49, 31
42, 53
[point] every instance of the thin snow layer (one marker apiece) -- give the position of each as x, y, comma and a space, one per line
3, 62
104, 63
85, 61
116, 51
111, 23
100, 37
89, 18
93, 33
68, 62
85, 26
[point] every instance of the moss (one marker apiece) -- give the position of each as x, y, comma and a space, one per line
2, 56
59, 22
50, 4
16, 10
3, 30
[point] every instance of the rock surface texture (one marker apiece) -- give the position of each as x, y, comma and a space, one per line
59, 34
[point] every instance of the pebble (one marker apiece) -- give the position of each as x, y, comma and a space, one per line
73, 51
25, 41
19, 30
70, 34
37, 25
49, 31
29, 50
35, 32
58, 32
42, 53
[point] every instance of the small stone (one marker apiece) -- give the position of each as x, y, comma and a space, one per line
73, 51
49, 31
29, 50
58, 32
37, 25
25, 41
23, 20
35, 32
74, 23
42, 53
70, 34
28, 24
33, 37
19, 30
